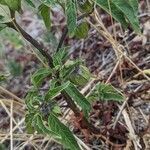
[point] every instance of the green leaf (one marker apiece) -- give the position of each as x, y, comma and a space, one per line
28, 122
1, 17
52, 93
39, 124
4, 17
29, 99
30, 3
60, 56
2, 2
128, 11
116, 13
106, 92
86, 6
38, 77
82, 30
67, 137
80, 76
57, 110
33, 101
2, 26
79, 98
13, 4
71, 16
68, 68
45, 13
36, 125
134, 5
50, 2
2, 21
53, 83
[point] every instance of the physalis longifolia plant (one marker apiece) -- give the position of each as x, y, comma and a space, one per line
66, 76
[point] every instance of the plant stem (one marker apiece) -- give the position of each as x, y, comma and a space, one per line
77, 113
34, 42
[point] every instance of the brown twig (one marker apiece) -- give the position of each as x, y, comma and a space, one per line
109, 142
